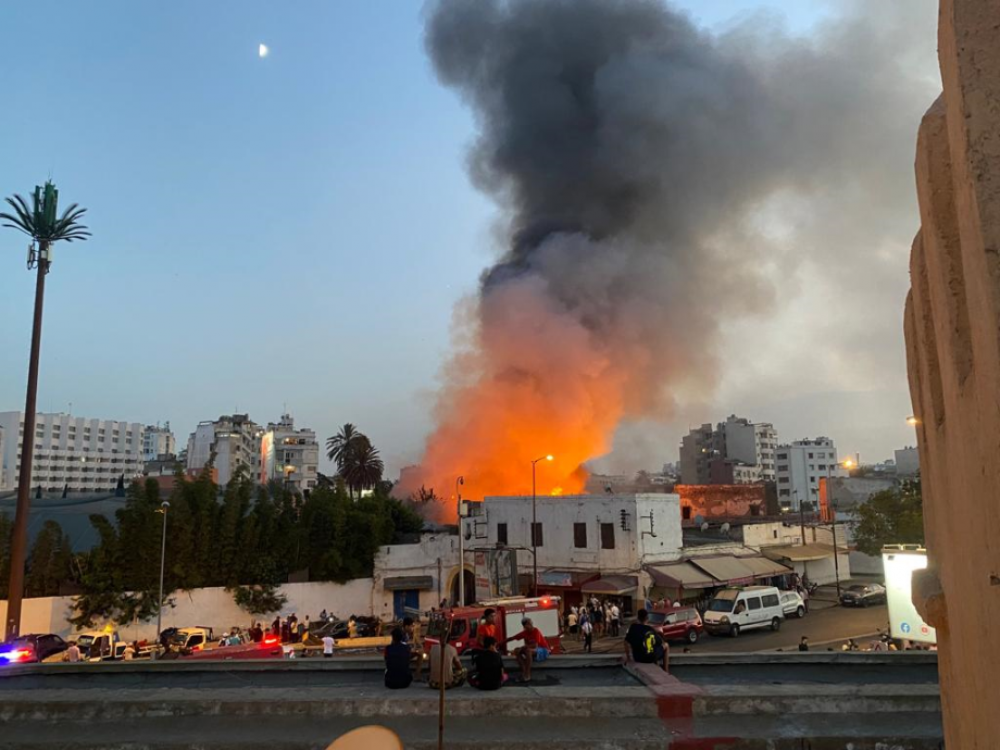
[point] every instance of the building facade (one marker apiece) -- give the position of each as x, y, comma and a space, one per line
234, 440
800, 467
907, 462
289, 455
158, 441
736, 451
72, 453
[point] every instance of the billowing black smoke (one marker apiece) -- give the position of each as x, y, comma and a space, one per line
643, 167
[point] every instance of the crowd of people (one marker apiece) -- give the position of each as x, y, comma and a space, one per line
594, 618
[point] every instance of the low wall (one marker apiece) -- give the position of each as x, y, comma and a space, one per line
209, 606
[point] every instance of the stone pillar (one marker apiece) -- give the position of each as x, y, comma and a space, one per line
952, 326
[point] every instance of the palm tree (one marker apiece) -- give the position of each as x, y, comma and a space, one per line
44, 226
339, 446
363, 467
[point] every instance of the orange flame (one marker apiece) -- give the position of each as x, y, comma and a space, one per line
527, 381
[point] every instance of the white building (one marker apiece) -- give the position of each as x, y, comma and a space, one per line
417, 576
728, 453
158, 441
235, 442
907, 462
587, 544
800, 466
85, 455
289, 455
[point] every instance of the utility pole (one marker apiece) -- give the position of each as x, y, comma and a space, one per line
534, 527
164, 507
44, 226
461, 544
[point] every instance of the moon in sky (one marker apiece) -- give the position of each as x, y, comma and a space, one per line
262, 50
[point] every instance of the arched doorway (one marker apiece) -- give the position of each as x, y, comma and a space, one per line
470, 588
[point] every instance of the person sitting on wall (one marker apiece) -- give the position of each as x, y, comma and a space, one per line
397, 662
644, 644
488, 664
535, 647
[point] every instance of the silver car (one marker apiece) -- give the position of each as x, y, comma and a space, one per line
792, 604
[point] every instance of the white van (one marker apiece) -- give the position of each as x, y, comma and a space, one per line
735, 610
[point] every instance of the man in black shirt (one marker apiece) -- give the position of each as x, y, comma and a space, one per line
643, 644
488, 663
397, 662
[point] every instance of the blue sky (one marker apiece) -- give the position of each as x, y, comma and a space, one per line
287, 231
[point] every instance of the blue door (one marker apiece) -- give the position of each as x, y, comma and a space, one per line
405, 598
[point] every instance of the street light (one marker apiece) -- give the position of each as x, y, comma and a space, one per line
534, 526
164, 507
833, 524
912, 421
461, 544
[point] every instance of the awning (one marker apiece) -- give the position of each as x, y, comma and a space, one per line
802, 552
682, 575
403, 583
727, 569
764, 568
611, 585
561, 578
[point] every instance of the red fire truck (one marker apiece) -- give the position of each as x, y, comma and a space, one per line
543, 611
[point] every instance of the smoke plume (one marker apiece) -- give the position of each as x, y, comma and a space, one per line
643, 167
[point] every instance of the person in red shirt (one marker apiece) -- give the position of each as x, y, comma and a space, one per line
533, 641
487, 627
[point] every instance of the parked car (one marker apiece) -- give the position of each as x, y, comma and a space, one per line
792, 604
863, 594
734, 610
677, 624
32, 648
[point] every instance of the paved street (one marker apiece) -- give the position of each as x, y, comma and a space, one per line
822, 624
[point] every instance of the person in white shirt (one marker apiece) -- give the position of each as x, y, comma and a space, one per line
129, 653
615, 620
328, 644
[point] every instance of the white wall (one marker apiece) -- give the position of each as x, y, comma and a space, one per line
558, 515
759, 535
213, 607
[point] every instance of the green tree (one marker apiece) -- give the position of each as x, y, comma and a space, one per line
340, 445
363, 467
50, 562
258, 600
893, 516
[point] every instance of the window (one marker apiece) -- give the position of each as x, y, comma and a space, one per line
774, 533
607, 536
810, 455
782, 480
770, 600
753, 602
686, 512
502, 533
537, 539
580, 535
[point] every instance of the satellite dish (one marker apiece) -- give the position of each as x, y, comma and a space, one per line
704, 527
724, 528
699, 520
